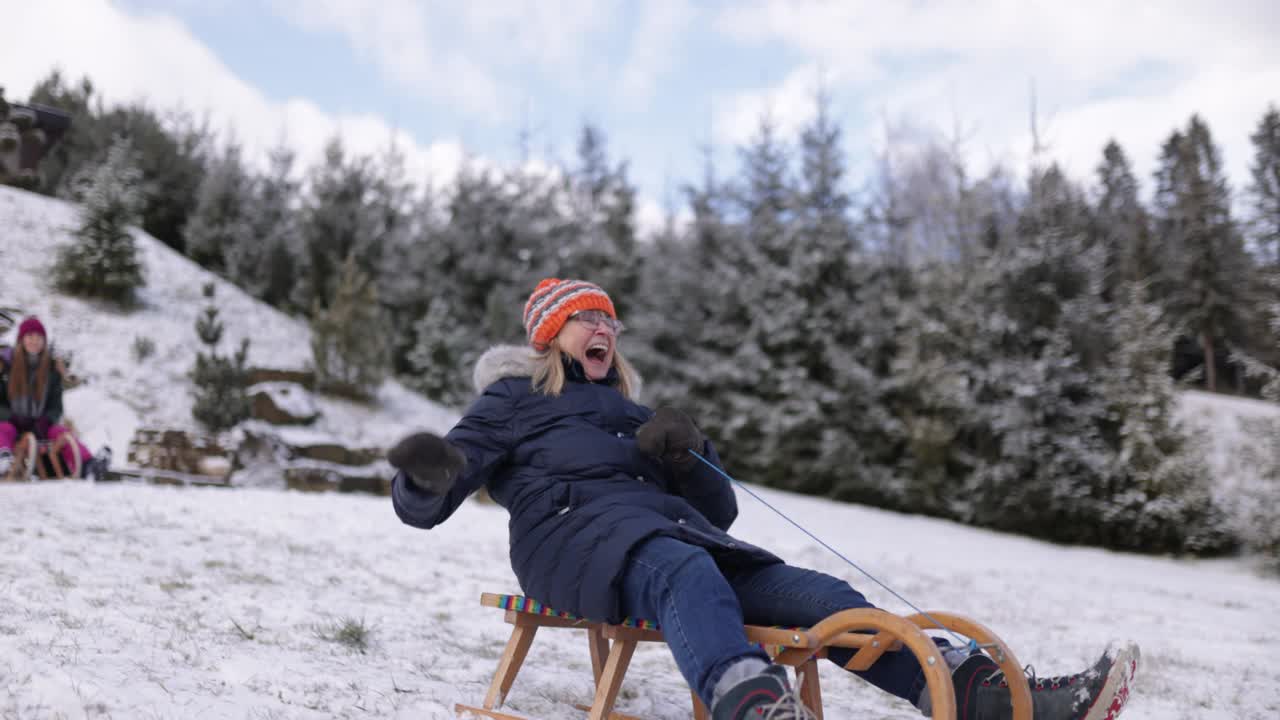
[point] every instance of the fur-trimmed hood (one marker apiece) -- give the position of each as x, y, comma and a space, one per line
503, 361
506, 361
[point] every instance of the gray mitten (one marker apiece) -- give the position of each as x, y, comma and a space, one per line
429, 461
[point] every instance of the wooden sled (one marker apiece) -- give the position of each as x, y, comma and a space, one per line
50, 458
25, 457
873, 632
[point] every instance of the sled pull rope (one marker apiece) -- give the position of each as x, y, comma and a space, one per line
970, 644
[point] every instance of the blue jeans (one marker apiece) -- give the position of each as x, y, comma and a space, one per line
702, 607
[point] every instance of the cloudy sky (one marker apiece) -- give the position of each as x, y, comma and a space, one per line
664, 78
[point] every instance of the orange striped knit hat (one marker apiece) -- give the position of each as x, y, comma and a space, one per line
553, 301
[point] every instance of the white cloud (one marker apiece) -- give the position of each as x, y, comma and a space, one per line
465, 54
396, 36
654, 44
1129, 70
789, 105
154, 58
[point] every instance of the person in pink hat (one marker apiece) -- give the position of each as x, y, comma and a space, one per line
31, 400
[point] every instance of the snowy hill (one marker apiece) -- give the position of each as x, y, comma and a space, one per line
120, 394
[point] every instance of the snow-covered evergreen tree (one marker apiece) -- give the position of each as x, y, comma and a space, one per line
221, 219
336, 223
504, 232
264, 263
104, 261
348, 340
1160, 499
601, 242
221, 397
444, 347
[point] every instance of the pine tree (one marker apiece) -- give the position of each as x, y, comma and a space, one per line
686, 290
1121, 224
601, 242
84, 143
220, 222
1210, 275
264, 261
104, 261
1031, 386
221, 395
405, 223
348, 339
504, 231
444, 347
1160, 499
1264, 191
336, 223
743, 305
169, 151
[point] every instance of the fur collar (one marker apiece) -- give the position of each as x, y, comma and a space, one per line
507, 361
503, 361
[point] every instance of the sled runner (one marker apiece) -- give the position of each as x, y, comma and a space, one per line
874, 632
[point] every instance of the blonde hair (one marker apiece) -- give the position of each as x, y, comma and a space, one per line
548, 373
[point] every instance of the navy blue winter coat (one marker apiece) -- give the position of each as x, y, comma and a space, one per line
579, 492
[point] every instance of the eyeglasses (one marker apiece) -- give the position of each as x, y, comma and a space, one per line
596, 318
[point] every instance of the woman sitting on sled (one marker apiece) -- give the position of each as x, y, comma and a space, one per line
31, 402
612, 517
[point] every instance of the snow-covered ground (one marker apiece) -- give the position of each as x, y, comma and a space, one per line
1222, 421
120, 393
134, 601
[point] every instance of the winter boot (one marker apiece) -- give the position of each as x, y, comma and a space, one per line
766, 696
6, 462
96, 468
1099, 693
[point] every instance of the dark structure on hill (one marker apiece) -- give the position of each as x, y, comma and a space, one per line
27, 132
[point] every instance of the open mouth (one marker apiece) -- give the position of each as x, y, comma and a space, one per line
598, 351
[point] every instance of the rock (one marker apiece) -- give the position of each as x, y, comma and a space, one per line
283, 403
373, 479
338, 454
258, 375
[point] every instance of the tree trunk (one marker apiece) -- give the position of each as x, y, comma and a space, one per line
1210, 369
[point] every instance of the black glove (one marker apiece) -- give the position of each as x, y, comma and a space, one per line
429, 461
670, 435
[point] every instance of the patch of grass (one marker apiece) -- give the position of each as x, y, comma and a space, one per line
143, 348
173, 586
244, 633
62, 580
252, 579
354, 634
